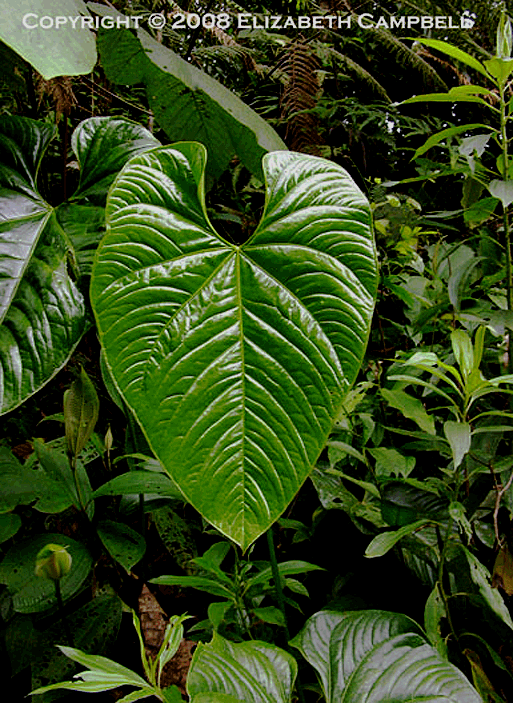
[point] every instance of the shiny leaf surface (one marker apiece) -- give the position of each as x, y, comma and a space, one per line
235, 360
374, 656
254, 672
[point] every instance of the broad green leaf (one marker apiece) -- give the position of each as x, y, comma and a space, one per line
53, 51
253, 672
42, 313
385, 541
187, 103
503, 190
81, 410
444, 98
270, 614
446, 134
459, 437
139, 482
378, 656
123, 543
31, 594
411, 408
338, 450
481, 577
102, 146
229, 357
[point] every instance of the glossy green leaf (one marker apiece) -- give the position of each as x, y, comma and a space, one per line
286, 568
31, 594
56, 51
187, 103
376, 656
42, 313
123, 543
235, 360
390, 462
459, 437
253, 672
385, 541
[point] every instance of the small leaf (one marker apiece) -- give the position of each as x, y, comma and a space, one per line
125, 545
459, 437
411, 408
383, 543
270, 614
500, 69
481, 577
390, 462
286, 568
463, 351
503, 190
140, 482
457, 512
81, 410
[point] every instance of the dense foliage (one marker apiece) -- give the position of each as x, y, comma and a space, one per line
256, 306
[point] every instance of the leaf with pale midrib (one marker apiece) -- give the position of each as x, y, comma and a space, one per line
235, 360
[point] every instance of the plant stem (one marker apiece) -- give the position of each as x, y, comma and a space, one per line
62, 612
277, 580
505, 219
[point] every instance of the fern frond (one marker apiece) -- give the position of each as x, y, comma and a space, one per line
299, 97
329, 54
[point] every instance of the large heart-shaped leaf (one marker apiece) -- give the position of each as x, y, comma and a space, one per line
42, 311
235, 360
253, 672
187, 103
372, 656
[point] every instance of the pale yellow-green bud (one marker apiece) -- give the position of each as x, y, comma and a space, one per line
53, 562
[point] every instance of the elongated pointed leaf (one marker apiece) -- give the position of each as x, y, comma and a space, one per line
187, 102
235, 360
253, 672
376, 656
